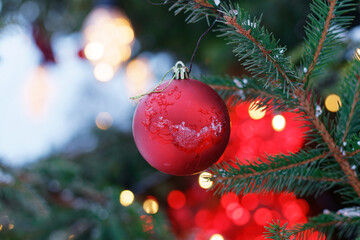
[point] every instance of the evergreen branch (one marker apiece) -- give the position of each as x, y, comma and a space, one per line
327, 17
353, 105
247, 33
348, 126
330, 16
276, 169
353, 153
346, 223
276, 232
246, 89
250, 91
279, 173
334, 149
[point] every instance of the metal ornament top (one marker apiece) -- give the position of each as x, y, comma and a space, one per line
180, 71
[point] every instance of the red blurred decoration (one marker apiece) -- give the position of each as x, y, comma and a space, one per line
243, 217
43, 42
148, 225
176, 199
182, 130
81, 54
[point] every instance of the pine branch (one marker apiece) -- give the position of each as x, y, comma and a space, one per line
276, 232
326, 16
280, 173
353, 153
346, 223
247, 33
330, 16
353, 105
349, 114
236, 90
334, 149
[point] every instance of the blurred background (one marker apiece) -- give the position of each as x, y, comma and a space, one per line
69, 166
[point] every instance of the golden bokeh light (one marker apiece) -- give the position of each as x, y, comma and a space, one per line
104, 120
94, 51
255, 112
126, 198
357, 54
204, 180
217, 237
103, 72
151, 206
278, 123
138, 74
109, 28
11, 226
1, 227
37, 92
333, 103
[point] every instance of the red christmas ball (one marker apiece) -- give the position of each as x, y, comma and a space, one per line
183, 129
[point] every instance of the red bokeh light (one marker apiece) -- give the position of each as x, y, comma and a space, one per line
250, 201
202, 218
242, 219
262, 216
228, 199
176, 199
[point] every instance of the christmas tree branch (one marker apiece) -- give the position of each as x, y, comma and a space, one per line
353, 153
247, 33
235, 90
330, 16
279, 173
347, 221
334, 149
353, 105
272, 170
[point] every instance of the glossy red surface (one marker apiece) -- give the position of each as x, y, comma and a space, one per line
182, 130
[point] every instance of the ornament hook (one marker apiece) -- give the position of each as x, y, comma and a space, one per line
180, 72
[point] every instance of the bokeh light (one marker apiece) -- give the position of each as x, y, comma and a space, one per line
94, 51
37, 92
256, 112
104, 120
262, 216
217, 237
333, 103
150, 206
176, 199
126, 198
108, 36
138, 74
103, 72
357, 54
11, 226
278, 123
204, 180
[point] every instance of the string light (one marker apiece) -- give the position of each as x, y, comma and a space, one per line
126, 198
11, 226
104, 120
138, 74
150, 206
94, 51
278, 123
333, 103
255, 112
103, 72
204, 180
37, 92
217, 237
108, 37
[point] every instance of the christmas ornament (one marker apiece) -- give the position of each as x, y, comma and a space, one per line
182, 126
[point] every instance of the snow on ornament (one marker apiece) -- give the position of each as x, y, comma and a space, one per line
182, 126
